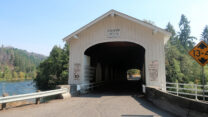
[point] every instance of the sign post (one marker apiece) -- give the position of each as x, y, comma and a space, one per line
203, 81
200, 54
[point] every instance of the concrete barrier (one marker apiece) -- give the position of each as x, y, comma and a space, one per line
180, 106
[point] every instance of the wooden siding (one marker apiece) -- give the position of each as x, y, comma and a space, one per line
129, 32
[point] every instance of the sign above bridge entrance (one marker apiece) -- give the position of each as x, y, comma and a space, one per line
200, 53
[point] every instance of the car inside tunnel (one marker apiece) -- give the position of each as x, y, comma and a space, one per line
109, 62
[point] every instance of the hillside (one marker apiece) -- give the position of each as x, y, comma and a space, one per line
18, 64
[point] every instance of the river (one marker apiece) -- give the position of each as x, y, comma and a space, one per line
17, 87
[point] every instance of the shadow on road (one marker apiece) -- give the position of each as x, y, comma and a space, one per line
126, 89
137, 116
122, 88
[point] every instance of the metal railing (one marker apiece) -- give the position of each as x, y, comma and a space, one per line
92, 85
35, 95
187, 89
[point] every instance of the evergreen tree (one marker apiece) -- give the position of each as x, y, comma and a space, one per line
204, 35
65, 65
13, 61
184, 35
171, 52
54, 70
171, 29
180, 67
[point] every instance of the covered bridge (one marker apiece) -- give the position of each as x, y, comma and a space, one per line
107, 47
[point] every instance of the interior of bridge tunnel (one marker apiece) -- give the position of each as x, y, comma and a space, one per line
110, 61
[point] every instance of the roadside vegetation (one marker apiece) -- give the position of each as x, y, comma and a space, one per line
180, 67
54, 70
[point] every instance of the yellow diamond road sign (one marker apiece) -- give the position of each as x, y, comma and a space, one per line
200, 53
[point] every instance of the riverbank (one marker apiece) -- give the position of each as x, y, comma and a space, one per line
14, 79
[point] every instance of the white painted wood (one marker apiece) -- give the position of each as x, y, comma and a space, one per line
129, 31
113, 13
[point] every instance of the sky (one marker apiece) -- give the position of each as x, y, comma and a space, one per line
38, 25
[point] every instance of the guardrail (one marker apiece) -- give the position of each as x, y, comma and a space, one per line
187, 89
36, 95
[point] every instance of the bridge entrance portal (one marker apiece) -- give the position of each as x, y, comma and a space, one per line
112, 44
109, 62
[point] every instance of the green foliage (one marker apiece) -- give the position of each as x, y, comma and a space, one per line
133, 71
54, 70
184, 35
180, 67
21, 75
15, 75
148, 22
170, 29
206, 74
204, 35
7, 73
18, 64
1, 74
191, 86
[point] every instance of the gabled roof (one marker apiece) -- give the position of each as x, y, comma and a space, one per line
114, 12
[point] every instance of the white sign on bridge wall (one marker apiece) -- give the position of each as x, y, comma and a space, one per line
153, 70
77, 67
113, 33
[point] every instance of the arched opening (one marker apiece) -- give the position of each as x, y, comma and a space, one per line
110, 61
133, 74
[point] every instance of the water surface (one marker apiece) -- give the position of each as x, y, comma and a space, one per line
17, 87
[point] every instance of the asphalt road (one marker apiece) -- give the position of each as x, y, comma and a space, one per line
105, 104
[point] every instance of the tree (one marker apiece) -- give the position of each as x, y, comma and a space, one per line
171, 29
149, 22
171, 53
204, 35
65, 65
21, 75
133, 72
54, 70
15, 75
171, 71
7, 73
180, 67
1, 74
32, 74
13, 61
184, 35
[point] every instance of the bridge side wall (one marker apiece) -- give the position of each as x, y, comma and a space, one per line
180, 106
129, 32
